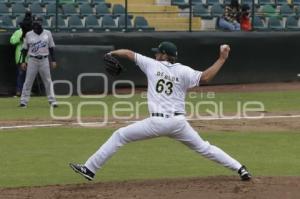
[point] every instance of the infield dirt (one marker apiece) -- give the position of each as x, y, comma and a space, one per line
192, 188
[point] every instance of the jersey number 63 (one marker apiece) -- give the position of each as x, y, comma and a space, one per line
162, 85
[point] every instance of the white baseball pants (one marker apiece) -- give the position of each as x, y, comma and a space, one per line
174, 127
35, 66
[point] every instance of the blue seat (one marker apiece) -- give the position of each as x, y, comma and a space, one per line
18, 9
281, 2
51, 9
195, 2
32, 1
200, 10
48, 1
102, 9
275, 24
141, 24
296, 2
118, 10
86, 9
180, 3
61, 24
292, 23
69, 9
4, 9
258, 24
95, 2
266, 2
6, 22
121, 23
16, 1
286, 10
75, 23
212, 2
36, 9
217, 10
108, 23
91, 23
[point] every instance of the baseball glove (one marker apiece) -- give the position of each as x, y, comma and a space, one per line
112, 65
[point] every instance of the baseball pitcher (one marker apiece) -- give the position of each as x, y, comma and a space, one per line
38, 44
168, 82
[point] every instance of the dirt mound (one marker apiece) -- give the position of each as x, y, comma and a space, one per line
188, 188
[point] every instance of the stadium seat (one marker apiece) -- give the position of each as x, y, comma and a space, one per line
69, 9
6, 22
292, 23
118, 10
200, 10
86, 9
227, 2
36, 8
108, 23
51, 9
16, 1
217, 10
82, 1
275, 23
48, 1
18, 9
286, 10
32, 1
121, 23
102, 9
4, 9
249, 2
195, 2
296, 2
66, 1
91, 23
212, 2
268, 11
180, 3
95, 2
281, 2
61, 24
258, 24
266, 2
141, 24
75, 23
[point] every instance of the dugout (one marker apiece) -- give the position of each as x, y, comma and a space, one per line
255, 56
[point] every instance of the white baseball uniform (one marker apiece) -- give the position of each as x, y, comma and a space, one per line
38, 51
167, 87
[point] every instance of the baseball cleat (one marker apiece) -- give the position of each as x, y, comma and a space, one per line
244, 174
23, 105
53, 104
82, 170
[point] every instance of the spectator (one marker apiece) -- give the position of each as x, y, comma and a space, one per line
244, 19
229, 20
17, 40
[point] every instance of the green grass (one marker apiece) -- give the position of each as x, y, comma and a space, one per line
39, 108
41, 156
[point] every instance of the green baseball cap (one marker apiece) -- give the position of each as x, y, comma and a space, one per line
166, 47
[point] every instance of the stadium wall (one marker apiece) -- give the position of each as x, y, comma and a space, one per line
255, 56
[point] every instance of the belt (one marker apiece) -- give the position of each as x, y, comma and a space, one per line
39, 56
165, 115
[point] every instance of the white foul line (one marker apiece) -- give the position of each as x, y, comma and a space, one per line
95, 124
29, 126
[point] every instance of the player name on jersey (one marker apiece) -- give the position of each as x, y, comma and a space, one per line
167, 77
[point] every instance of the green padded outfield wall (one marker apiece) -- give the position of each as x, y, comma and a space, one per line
255, 56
